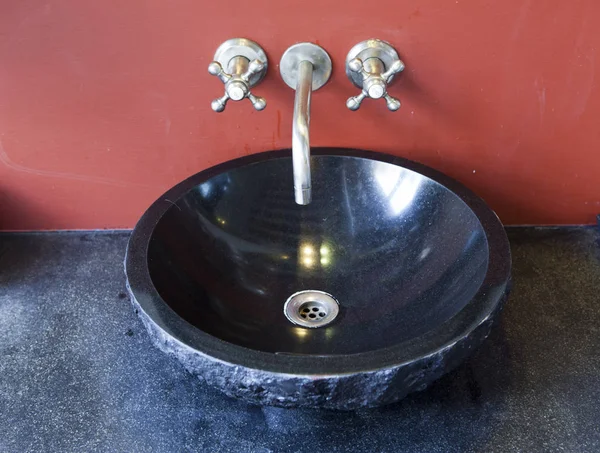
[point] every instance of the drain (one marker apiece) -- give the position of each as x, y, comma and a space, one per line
311, 308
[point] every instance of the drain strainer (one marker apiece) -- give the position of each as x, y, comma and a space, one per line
311, 308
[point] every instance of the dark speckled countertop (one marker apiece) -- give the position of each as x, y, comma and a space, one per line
78, 373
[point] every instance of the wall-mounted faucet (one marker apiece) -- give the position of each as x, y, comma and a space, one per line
305, 67
371, 65
240, 64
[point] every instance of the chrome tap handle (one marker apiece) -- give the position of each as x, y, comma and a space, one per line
237, 86
353, 103
395, 68
246, 65
215, 68
371, 65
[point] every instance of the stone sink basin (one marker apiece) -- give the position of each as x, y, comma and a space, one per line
386, 281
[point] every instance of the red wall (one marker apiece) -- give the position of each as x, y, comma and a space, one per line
106, 104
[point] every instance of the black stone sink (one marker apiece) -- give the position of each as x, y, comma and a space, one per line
419, 267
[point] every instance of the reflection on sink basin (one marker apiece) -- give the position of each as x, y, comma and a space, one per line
418, 265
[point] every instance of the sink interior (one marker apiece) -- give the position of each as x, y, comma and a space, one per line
400, 252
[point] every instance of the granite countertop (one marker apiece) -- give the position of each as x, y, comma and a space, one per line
78, 372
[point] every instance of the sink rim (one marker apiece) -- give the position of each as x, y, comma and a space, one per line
492, 292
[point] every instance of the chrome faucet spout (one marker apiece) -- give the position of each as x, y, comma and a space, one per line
301, 134
305, 67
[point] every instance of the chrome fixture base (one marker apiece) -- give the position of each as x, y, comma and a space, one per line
305, 51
